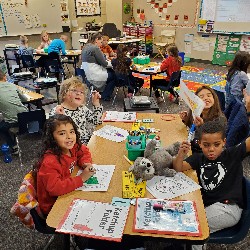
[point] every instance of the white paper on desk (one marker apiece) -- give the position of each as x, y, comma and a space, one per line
94, 219
117, 116
153, 69
112, 133
192, 100
103, 174
162, 187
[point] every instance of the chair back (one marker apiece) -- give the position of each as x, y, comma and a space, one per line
238, 232
110, 30
28, 61
168, 36
31, 121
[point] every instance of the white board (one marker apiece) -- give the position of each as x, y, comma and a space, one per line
20, 17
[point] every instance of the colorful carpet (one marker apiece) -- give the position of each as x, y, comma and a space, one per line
194, 78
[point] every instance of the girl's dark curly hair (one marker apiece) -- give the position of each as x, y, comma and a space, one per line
48, 141
122, 66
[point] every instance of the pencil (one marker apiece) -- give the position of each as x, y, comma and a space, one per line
127, 159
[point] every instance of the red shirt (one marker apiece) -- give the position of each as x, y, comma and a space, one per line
170, 65
54, 176
106, 50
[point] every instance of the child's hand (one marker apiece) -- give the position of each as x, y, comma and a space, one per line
60, 110
183, 115
87, 172
96, 98
198, 121
184, 148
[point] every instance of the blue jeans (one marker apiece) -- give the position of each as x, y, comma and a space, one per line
5, 133
110, 85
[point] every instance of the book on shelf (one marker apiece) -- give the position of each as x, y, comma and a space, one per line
166, 217
94, 220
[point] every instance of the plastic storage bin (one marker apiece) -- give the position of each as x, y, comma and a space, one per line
135, 152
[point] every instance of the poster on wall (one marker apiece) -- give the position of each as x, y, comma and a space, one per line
225, 49
88, 7
64, 12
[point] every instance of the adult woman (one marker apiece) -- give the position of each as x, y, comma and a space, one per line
95, 67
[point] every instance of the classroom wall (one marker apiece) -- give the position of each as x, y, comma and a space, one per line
34, 40
201, 47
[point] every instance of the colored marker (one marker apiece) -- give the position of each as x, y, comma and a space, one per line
191, 133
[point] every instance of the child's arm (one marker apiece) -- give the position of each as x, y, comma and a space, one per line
63, 47
178, 163
83, 156
165, 64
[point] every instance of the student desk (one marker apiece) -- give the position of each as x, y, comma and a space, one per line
142, 69
108, 152
31, 97
74, 54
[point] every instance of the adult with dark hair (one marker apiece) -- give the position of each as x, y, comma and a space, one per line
10, 106
121, 65
95, 66
237, 78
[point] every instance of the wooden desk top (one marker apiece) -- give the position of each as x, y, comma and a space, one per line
108, 152
69, 53
31, 95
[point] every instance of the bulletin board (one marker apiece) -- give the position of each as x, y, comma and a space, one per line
27, 17
168, 13
228, 16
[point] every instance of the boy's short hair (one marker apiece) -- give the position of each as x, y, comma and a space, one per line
106, 37
215, 126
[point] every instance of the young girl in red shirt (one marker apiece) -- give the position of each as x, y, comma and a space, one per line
61, 153
171, 64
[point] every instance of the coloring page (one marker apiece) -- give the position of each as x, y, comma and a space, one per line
192, 100
162, 187
112, 133
100, 180
119, 116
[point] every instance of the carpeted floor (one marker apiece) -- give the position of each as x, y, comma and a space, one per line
14, 236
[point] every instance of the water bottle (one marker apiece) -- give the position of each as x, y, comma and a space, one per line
6, 153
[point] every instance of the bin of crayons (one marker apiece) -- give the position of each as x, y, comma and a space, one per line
135, 146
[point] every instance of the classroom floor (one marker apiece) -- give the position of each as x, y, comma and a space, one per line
14, 236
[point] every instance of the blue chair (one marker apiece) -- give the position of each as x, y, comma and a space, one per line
238, 232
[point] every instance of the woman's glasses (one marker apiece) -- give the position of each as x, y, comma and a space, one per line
75, 91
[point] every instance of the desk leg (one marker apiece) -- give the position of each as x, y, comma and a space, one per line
74, 64
66, 242
150, 85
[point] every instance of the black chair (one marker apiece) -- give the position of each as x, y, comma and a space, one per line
110, 30
81, 73
174, 82
53, 65
42, 227
238, 232
28, 122
28, 62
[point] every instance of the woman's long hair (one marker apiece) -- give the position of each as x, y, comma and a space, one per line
122, 66
240, 63
93, 37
